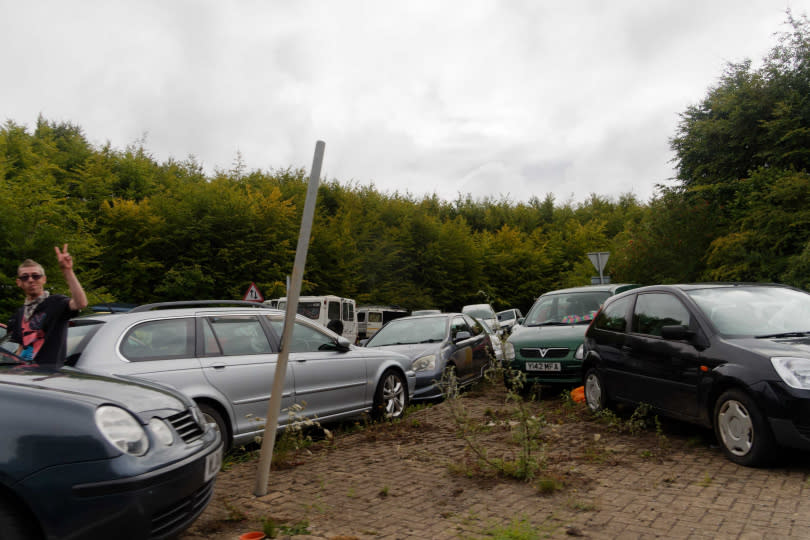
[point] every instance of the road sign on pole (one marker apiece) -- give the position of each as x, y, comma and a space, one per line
599, 260
253, 294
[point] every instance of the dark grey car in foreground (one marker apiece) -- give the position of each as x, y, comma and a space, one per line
225, 359
733, 356
434, 343
87, 457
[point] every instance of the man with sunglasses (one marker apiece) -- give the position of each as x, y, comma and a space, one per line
39, 327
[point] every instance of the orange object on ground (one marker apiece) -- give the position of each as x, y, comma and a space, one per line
578, 394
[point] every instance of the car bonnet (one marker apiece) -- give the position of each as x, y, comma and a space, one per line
138, 397
568, 335
413, 350
768, 347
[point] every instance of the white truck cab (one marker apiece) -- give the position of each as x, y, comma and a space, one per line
324, 309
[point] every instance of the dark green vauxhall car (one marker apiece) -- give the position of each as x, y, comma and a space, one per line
548, 346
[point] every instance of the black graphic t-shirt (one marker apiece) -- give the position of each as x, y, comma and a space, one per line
44, 335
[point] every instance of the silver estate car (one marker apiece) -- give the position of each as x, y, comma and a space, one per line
224, 358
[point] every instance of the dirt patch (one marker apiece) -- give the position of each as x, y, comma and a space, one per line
470, 467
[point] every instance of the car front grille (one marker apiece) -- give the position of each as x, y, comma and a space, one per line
185, 425
169, 518
539, 352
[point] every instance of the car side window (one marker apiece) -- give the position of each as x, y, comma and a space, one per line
459, 325
333, 311
159, 340
305, 338
613, 316
234, 335
655, 310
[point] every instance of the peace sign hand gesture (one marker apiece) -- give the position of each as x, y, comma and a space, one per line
64, 258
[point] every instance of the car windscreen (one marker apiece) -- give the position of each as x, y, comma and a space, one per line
480, 313
566, 308
755, 310
506, 315
410, 331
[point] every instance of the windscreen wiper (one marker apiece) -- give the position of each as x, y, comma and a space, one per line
784, 334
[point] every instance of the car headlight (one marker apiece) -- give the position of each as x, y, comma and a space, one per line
122, 430
424, 363
794, 371
163, 433
508, 351
580, 354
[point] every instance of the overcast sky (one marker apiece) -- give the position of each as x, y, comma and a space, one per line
510, 98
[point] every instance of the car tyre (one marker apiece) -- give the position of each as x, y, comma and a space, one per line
212, 416
391, 396
14, 524
741, 429
595, 394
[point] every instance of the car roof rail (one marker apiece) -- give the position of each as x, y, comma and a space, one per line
206, 303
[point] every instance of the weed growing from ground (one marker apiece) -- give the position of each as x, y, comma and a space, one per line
272, 529
707, 480
242, 454
519, 529
548, 485
295, 436
527, 428
234, 513
580, 506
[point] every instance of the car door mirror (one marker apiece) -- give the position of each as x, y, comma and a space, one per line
676, 332
462, 335
343, 344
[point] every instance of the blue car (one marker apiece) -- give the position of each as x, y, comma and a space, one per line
87, 456
434, 344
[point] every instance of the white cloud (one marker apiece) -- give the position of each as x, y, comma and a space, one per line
490, 98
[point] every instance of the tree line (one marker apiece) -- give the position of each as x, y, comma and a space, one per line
143, 231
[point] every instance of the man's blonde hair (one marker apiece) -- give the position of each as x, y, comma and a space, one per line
30, 263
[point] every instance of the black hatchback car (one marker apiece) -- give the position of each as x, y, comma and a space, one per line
87, 456
733, 357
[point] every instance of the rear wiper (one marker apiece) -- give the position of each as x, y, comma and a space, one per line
784, 334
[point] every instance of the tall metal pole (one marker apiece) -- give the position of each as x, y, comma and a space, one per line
293, 293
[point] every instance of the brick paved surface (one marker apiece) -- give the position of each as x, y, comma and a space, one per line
406, 484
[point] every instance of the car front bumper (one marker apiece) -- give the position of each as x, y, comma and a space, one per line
160, 503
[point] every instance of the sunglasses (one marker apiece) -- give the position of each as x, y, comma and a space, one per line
35, 277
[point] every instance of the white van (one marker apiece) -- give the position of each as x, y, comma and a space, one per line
372, 318
327, 308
